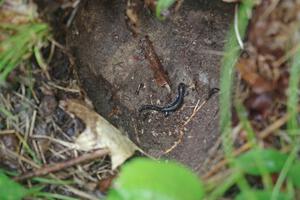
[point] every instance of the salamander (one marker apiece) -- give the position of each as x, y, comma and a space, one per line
175, 105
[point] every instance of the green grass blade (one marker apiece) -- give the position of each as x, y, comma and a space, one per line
284, 172
292, 103
226, 80
243, 117
52, 181
292, 124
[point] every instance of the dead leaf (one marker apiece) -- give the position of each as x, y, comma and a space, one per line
99, 133
256, 81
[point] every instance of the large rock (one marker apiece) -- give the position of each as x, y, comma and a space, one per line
111, 66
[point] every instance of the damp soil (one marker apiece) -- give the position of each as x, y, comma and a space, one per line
118, 80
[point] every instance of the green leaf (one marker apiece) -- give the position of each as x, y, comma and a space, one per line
294, 174
268, 159
152, 180
261, 195
10, 190
163, 5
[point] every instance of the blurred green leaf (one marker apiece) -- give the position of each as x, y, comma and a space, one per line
268, 159
294, 174
261, 195
10, 190
151, 180
163, 5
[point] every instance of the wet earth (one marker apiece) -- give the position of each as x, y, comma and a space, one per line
117, 78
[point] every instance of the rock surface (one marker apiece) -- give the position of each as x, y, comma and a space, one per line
111, 66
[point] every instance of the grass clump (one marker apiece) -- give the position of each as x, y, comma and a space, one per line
20, 32
19, 44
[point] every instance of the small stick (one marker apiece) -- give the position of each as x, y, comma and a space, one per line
156, 66
62, 165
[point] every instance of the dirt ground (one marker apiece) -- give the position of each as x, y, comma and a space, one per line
111, 66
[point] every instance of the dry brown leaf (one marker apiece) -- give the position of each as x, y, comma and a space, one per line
256, 81
99, 133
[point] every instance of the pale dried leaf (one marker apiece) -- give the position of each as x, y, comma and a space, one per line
99, 133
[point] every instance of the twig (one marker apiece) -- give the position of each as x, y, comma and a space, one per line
8, 131
73, 13
81, 193
62, 165
178, 141
75, 191
64, 88
64, 50
70, 145
160, 75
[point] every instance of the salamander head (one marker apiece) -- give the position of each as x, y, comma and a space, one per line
181, 88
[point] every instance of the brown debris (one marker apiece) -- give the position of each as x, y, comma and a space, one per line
265, 69
48, 105
11, 142
105, 183
259, 104
151, 4
257, 83
160, 75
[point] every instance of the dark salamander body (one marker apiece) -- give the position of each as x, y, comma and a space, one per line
175, 105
